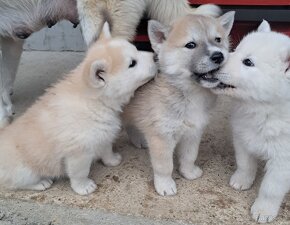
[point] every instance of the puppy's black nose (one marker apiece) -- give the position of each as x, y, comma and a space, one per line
217, 57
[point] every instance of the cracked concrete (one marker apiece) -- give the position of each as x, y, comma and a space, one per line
125, 193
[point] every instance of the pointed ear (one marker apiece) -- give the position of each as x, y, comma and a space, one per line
106, 33
157, 33
227, 21
264, 27
98, 75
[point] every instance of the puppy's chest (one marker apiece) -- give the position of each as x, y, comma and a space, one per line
261, 133
184, 115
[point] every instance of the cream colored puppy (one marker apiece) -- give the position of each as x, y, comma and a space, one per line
76, 121
172, 110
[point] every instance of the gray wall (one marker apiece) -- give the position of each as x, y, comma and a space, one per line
61, 37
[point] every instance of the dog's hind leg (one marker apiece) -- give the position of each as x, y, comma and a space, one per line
136, 137
11, 53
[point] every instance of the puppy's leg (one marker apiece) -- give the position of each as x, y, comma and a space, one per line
24, 178
110, 158
188, 150
78, 169
11, 52
161, 152
42, 185
245, 174
274, 187
136, 137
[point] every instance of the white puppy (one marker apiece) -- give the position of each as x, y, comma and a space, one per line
76, 121
257, 76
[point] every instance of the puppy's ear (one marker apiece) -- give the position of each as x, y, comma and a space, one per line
106, 33
264, 27
227, 21
98, 75
157, 33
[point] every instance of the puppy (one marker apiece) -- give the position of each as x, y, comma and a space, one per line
76, 121
127, 14
172, 110
18, 20
257, 76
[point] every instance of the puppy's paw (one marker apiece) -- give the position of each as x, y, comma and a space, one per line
165, 186
192, 173
84, 186
114, 160
41, 186
264, 211
241, 181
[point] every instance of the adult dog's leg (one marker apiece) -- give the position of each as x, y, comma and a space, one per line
90, 18
11, 53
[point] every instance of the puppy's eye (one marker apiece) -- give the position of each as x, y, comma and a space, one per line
190, 45
218, 39
248, 62
133, 63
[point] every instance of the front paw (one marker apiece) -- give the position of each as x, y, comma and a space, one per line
264, 211
241, 181
191, 173
165, 186
114, 160
84, 186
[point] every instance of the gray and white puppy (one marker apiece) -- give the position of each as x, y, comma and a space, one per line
174, 108
18, 20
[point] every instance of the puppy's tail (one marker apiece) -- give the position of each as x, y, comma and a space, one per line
208, 10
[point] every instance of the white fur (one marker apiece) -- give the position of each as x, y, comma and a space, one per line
261, 116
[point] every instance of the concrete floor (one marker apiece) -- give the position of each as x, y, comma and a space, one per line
127, 191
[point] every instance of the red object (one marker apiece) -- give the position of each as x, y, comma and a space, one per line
240, 28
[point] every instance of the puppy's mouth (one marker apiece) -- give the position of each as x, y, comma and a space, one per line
223, 86
209, 76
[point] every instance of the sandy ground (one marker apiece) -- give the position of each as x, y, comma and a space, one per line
128, 189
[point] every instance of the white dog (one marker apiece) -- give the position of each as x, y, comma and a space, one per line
76, 121
257, 76
173, 109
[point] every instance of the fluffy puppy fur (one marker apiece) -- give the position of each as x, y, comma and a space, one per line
76, 121
126, 14
18, 20
173, 109
257, 76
